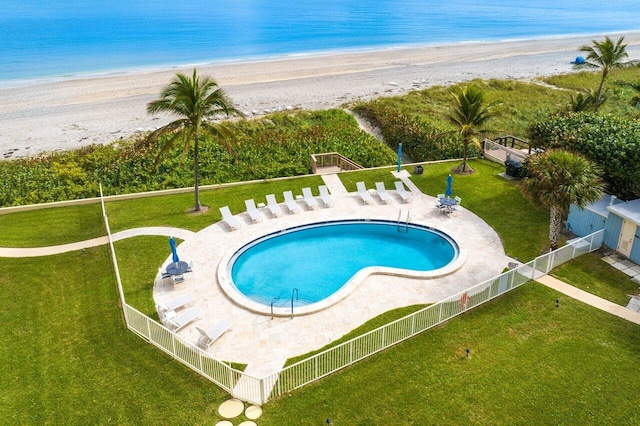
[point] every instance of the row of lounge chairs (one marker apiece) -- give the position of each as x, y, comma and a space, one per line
274, 208
382, 193
188, 314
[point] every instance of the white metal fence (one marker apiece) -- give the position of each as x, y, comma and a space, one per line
260, 390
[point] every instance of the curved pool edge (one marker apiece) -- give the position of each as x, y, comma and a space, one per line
230, 290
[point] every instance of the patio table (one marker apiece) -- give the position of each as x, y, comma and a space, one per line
177, 268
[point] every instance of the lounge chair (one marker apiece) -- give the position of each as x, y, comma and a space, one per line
185, 318
382, 193
312, 203
177, 303
273, 206
406, 197
325, 197
229, 219
363, 193
290, 202
207, 337
253, 211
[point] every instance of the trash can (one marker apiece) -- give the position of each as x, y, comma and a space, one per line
513, 167
418, 169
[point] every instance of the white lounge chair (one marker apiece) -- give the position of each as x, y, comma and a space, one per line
185, 318
312, 203
177, 303
273, 206
325, 197
406, 197
207, 337
253, 211
291, 203
382, 193
229, 219
363, 193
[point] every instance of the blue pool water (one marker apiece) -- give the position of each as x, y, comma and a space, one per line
44, 38
319, 259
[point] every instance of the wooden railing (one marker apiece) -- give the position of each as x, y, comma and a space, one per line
332, 159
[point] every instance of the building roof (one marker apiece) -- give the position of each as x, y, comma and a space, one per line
600, 206
629, 210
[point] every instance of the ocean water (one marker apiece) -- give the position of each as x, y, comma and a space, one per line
51, 39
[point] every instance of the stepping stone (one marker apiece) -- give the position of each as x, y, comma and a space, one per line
231, 408
253, 412
248, 423
224, 423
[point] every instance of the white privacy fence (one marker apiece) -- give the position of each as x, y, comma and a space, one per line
260, 390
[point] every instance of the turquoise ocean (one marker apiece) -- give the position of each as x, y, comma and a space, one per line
42, 39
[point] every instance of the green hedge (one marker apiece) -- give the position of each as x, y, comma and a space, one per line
611, 142
421, 140
279, 145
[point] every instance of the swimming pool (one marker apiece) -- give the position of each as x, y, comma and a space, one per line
310, 267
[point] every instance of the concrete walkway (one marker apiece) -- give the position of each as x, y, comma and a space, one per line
182, 234
589, 299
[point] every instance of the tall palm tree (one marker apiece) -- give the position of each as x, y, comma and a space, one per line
469, 114
196, 101
605, 55
557, 179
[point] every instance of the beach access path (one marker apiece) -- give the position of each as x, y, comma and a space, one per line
67, 114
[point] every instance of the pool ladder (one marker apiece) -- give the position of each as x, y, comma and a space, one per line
403, 226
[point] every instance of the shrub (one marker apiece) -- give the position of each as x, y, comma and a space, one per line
612, 143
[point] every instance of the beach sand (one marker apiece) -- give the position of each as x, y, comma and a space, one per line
62, 115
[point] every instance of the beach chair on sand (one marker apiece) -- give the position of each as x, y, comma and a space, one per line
178, 322
325, 197
229, 219
273, 206
290, 202
363, 193
382, 193
312, 203
172, 305
253, 211
207, 337
406, 197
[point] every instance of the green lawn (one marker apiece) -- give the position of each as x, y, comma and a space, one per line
589, 273
68, 358
531, 363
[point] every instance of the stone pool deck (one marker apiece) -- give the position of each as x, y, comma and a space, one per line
265, 343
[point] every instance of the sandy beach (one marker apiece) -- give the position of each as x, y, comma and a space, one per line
62, 115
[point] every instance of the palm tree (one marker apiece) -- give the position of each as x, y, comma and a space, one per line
607, 56
469, 114
557, 179
584, 101
196, 101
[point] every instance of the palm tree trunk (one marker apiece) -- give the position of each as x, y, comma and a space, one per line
599, 94
554, 226
195, 173
465, 150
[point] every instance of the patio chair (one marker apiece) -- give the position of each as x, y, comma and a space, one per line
382, 193
253, 211
312, 203
406, 197
273, 206
291, 204
207, 337
458, 199
178, 322
363, 193
325, 197
229, 219
172, 305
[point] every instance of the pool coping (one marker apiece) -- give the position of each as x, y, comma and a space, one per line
226, 284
